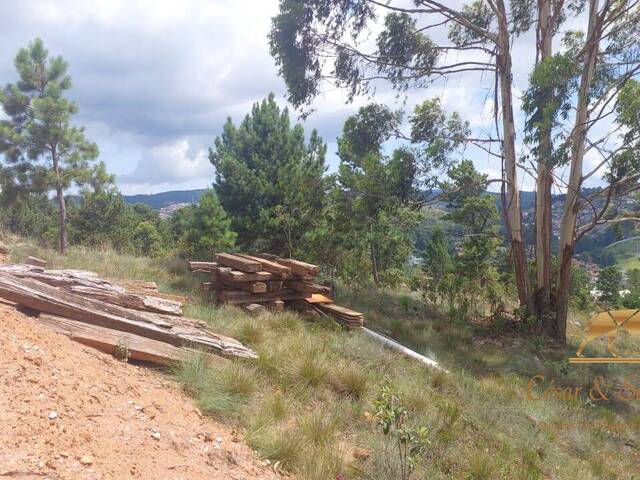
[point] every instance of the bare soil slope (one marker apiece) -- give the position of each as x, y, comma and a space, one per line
69, 412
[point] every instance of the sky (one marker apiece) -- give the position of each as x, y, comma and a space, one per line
155, 80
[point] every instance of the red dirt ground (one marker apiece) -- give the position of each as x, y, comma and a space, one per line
70, 412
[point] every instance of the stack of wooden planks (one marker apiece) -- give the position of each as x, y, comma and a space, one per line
269, 281
139, 322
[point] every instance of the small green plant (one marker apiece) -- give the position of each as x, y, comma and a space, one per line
392, 418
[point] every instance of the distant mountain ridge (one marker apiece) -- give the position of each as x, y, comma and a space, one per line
158, 201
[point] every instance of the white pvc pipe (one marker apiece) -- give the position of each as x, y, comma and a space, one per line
393, 345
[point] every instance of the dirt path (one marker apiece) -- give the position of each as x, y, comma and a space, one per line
70, 412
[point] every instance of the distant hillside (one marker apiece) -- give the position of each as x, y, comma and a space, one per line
162, 200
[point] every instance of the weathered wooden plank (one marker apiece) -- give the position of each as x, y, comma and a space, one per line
61, 278
348, 317
275, 285
117, 343
139, 285
89, 285
131, 300
234, 296
251, 287
318, 298
176, 331
236, 276
269, 265
38, 262
202, 266
300, 268
307, 287
238, 262
339, 310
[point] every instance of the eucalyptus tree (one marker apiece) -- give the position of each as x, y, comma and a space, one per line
44, 152
583, 82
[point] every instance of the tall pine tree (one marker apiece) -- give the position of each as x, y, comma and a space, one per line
269, 181
44, 151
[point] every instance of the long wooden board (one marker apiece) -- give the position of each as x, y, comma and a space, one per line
202, 266
116, 343
245, 297
132, 300
236, 276
308, 287
318, 298
269, 265
238, 262
251, 287
345, 312
302, 269
176, 331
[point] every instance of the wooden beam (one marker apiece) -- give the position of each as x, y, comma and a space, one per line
132, 300
318, 298
302, 269
251, 287
245, 297
269, 265
38, 262
119, 343
308, 287
236, 276
176, 331
275, 285
202, 266
238, 262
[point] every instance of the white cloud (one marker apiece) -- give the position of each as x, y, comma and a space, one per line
156, 79
170, 163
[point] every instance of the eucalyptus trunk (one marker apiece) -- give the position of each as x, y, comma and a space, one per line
571, 208
513, 214
544, 180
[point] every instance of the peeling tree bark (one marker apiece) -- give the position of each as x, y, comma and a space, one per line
513, 214
571, 208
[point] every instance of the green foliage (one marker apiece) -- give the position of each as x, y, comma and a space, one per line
547, 102
439, 265
268, 180
609, 283
580, 288
101, 218
204, 229
471, 278
392, 419
373, 211
633, 279
43, 150
146, 240
30, 216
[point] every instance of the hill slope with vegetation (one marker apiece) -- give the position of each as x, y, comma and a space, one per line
311, 402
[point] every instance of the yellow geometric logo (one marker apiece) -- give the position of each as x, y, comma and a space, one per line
609, 323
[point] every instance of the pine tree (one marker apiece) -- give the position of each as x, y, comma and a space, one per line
44, 151
269, 181
207, 229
